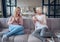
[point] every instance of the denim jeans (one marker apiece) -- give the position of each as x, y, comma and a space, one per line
39, 32
13, 30
43, 34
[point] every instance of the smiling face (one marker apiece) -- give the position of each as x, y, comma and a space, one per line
39, 10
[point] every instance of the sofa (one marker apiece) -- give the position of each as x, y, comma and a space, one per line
52, 23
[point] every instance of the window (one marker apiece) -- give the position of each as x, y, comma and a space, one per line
10, 6
53, 8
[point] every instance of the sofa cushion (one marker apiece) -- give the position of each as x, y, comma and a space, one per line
49, 23
11, 39
21, 38
28, 25
5, 30
33, 39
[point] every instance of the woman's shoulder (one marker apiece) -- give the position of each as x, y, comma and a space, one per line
11, 17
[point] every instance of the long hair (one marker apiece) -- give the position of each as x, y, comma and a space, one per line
16, 9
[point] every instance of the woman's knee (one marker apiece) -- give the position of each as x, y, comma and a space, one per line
20, 28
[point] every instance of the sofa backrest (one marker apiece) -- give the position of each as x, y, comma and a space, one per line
53, 24
3, 22
27, 23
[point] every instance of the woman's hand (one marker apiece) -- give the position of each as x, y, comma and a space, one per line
17, 18
34, 20
43, 20
38, 20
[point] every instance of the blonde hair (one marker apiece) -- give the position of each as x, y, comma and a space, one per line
16, 11
39, 8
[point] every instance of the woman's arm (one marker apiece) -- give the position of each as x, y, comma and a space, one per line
44, 21
21, 21
34, 19
11, 20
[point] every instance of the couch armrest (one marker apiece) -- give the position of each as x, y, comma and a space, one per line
3, 31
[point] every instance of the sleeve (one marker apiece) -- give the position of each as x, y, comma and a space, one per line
45, 20
34, 19
10, 20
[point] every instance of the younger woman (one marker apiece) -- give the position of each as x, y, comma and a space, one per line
15, 23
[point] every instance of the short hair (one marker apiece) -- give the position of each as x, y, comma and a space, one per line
39, 8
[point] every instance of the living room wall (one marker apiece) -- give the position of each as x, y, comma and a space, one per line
31, 3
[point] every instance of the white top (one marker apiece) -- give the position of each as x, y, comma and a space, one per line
38, 25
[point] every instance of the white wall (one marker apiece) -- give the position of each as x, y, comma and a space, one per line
31, 3
25, 3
